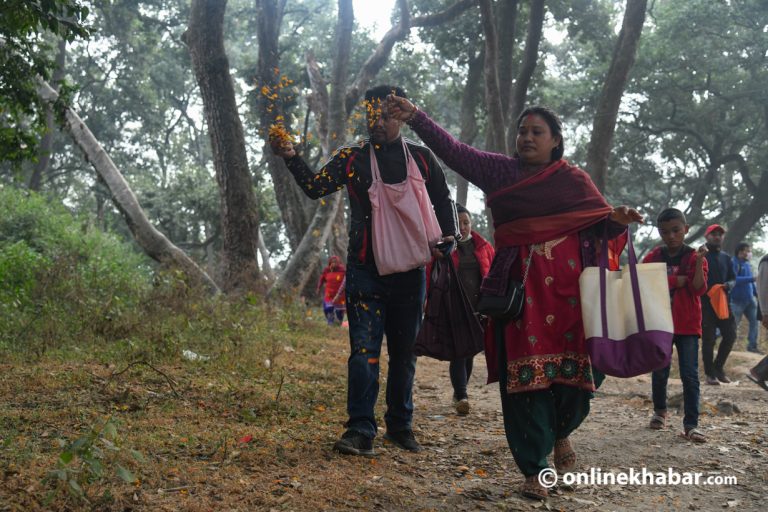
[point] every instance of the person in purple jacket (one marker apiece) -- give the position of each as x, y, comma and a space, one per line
548, 216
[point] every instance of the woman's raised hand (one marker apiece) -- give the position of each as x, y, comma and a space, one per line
400, 108
626, 215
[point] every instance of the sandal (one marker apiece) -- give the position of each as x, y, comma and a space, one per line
565, 457
658, 421
533, 489
694, 435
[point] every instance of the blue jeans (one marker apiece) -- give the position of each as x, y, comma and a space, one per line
749, 310
390, 305
688, 356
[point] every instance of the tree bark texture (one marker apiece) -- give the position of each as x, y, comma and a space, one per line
154, 243
496, 131
296, 209
302, 264
748, 217
527, 67
470, 99
604, 123
506, 23
239, 215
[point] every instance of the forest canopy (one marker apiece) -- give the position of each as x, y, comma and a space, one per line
663, 102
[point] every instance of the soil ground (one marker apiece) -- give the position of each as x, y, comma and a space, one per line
288, 464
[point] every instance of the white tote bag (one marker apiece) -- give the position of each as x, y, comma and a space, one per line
627, 315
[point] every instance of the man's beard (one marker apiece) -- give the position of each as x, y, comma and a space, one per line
379, 137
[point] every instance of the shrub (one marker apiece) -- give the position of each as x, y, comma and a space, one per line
61, 280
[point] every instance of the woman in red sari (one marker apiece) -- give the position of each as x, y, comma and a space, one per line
548, 216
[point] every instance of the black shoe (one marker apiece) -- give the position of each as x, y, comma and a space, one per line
405, 440
720, 375
712, 381
755, 350
354, 443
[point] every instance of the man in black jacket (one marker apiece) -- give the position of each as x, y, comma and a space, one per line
720, 272
377, 304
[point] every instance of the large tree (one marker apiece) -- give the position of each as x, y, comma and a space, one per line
154, 243
239, 214
699, 114
604, 120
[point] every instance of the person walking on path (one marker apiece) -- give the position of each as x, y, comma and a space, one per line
720, 273
334, 298
759, 373
687, 276
548, 217
472, 259
744, 294
379, 305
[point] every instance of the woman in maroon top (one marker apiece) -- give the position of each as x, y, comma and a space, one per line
547, 216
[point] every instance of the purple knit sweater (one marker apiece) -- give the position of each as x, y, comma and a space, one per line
490, 172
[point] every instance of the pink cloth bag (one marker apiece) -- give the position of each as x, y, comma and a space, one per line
404, 224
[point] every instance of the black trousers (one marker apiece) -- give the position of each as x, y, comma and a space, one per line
709, 323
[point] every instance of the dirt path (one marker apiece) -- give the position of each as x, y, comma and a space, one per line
466, 464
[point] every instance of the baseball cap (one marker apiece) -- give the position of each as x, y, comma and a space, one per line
714, 227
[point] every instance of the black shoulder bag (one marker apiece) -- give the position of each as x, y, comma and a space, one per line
508, 306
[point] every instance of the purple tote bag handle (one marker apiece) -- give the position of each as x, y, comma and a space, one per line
632, 276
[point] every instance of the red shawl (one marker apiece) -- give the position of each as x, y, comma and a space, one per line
557, 201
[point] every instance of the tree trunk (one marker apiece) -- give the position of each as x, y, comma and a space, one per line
154, 243
506, 25
305, 259
470, 99
496, 133
46, 143
264, 253
296, 209
300, 268
527, 67
604, 123
335, 111
240, 224
749, 216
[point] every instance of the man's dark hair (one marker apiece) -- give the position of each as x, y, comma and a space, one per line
461, 209
670, 214
741, 246
382, 91
555, 126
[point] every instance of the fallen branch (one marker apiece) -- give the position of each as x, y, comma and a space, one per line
136, 363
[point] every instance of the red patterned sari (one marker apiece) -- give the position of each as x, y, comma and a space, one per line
546, 345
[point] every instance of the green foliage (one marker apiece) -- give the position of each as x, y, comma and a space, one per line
697, 103
88, 460
66, 287
60, 279
24, 55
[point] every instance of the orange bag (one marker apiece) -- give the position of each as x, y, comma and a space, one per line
719, 300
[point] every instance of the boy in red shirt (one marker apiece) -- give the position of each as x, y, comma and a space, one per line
687, 271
